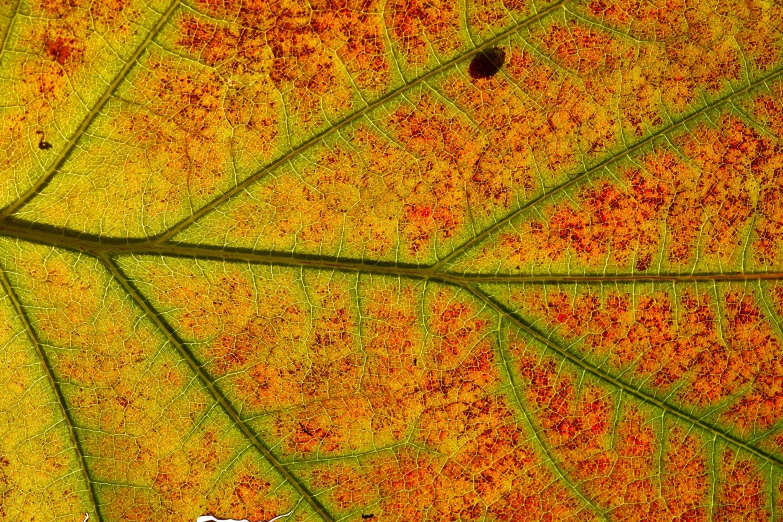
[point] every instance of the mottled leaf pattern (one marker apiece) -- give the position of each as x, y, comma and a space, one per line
401, 260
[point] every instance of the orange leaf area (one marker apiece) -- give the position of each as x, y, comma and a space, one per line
633, 462
675, 340
391, 260
670, 210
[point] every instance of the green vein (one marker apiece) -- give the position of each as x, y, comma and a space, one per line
88, 119
605, 163
7, 35
175, 229
602, 376
6, 285
713, 476
216, 394
94, 245
544, 448
618, 278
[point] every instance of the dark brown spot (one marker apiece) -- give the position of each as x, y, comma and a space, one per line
486, 63
643, 262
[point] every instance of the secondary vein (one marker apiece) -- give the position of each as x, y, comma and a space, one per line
33, 338
604, 377
88, 119
175, 229
213, 390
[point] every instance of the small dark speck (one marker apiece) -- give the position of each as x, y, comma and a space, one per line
367, 516
305, 429
43, 145
486, 63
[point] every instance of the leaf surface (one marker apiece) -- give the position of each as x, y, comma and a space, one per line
326, 259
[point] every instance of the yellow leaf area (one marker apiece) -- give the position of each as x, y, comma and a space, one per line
393, 260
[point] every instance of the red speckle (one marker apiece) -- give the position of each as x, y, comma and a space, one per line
59, 49
424, 211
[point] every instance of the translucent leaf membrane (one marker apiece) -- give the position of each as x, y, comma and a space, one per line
705, 199
710, 350
156, 445
191, 128
639, 462
323, 258
58, 60
224, 91
572, 96
766, 108
387, 395
40, 476
731, 40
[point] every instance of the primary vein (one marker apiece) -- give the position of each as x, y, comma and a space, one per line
95, 245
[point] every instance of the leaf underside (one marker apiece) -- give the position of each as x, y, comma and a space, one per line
319, 258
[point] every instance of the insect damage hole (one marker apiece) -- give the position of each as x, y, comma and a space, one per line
487, 63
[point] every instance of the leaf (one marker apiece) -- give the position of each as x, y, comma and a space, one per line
493, 260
